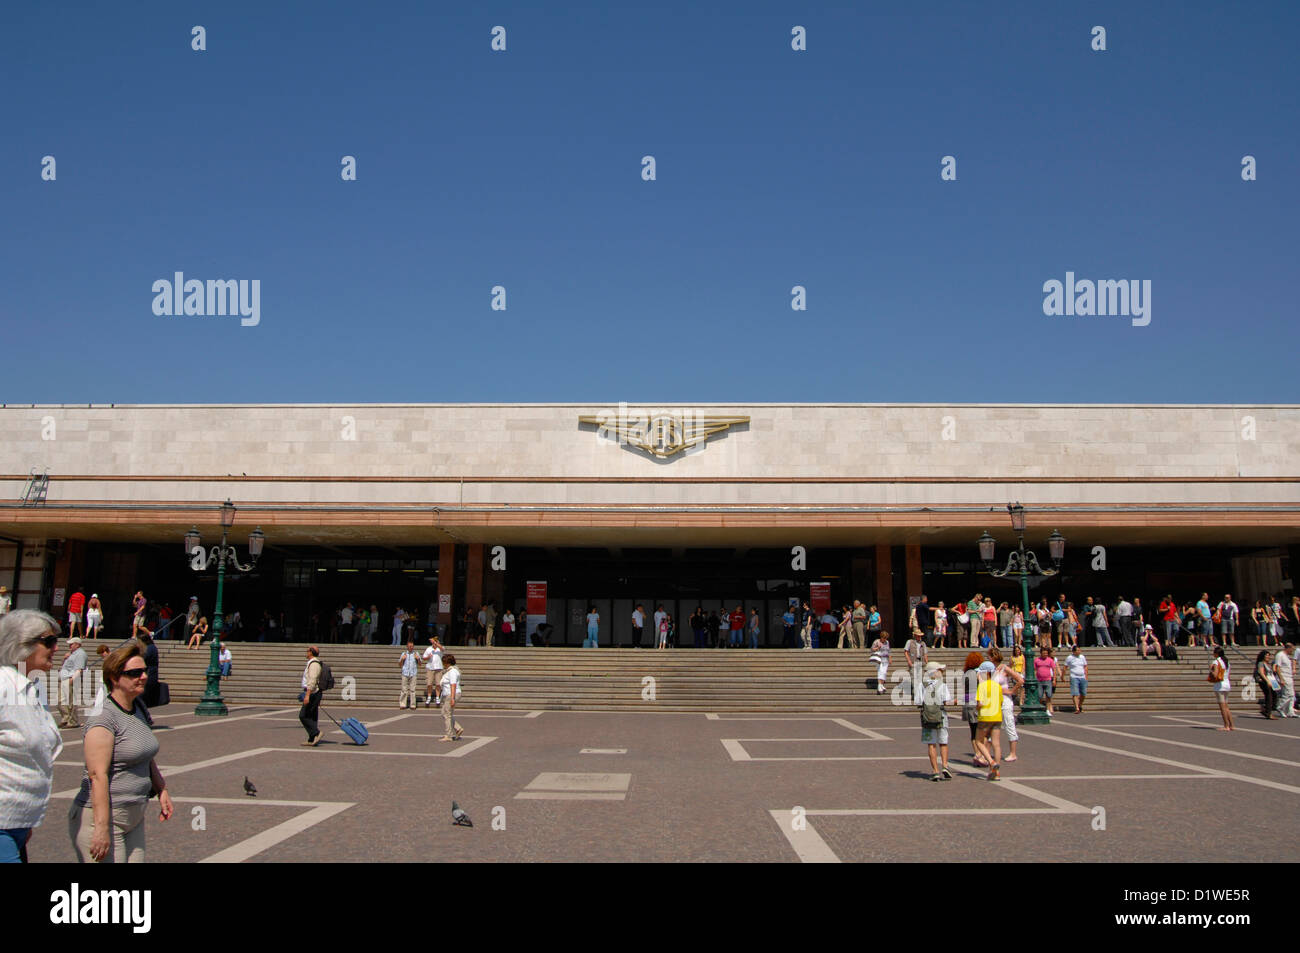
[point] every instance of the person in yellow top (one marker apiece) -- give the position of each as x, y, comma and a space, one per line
1018, 666
988, 699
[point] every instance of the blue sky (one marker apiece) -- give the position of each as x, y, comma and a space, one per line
523, 169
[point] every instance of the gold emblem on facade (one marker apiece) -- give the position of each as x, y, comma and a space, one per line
660, 434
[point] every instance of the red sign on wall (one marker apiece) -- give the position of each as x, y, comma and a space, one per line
537, 599
820, 597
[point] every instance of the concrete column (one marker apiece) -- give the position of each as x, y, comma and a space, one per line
446, 579
915, 581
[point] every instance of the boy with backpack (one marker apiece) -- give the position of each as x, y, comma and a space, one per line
934, 720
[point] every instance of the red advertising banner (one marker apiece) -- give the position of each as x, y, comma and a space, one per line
537, 599
535, 614
820, 597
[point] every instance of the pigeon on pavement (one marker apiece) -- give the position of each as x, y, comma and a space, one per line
459, 817
249, 789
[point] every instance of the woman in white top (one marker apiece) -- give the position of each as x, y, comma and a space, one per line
940, 625
1010, 680
450, 688
94, 617
593, 629
1219, 681
880, 655
29, 739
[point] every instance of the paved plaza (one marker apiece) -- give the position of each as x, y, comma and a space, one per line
587, 786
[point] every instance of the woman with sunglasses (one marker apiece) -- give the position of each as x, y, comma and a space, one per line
121, 773
29, 739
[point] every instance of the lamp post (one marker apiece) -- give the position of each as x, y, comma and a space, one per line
1022, 564
200, 559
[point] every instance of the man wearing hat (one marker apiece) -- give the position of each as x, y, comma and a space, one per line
932, 700
69, 672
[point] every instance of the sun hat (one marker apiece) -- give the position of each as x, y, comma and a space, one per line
986, 667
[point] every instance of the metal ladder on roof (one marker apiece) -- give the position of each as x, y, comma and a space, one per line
37, 486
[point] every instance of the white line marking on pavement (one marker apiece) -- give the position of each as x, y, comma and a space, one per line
873, 735
258, 801
807, 843
960, 811
461, 750
811, 848
272, 836
531, 714
216, 720
1210, 724
1209, 772
223, 759
382, 721
813, 739
1209, 749
571, 781
571, 796
458, 752
603, 751
1120, 777
714, 717
736, 750
172, 770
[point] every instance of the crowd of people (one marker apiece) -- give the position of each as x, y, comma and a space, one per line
980, 622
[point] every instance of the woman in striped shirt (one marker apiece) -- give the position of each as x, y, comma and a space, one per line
121, 773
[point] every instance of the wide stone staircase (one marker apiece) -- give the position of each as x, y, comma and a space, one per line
704, 680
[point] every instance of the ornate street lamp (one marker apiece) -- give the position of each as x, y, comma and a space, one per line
1022, 564
212, 702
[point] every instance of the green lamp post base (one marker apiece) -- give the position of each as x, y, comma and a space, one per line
212, 703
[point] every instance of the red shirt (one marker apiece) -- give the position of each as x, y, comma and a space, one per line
1170, 611
737, 620
76, 603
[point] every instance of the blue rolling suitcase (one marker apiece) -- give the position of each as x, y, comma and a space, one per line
352, 728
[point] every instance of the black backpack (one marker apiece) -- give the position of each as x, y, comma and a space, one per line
326, 680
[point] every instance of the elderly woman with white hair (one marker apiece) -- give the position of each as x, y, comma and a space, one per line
29, 738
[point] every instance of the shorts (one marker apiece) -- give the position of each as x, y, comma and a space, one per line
74, 618
935, 736
1046, 689
1078, 686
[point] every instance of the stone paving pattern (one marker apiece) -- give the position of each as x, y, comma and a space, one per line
688, 800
